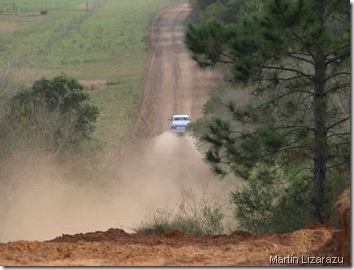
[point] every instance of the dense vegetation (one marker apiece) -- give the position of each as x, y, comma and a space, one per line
285, 130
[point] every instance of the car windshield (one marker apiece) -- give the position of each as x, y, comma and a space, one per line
180, 119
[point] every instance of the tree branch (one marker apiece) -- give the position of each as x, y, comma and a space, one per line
290, 70
338, 123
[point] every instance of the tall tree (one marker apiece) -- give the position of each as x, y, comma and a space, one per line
296, 57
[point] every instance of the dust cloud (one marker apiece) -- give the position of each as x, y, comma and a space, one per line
151, 179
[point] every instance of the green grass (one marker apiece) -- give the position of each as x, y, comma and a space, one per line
108, 45
116, 106
26, 6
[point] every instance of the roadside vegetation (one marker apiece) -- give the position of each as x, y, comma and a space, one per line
196, 213
281, 122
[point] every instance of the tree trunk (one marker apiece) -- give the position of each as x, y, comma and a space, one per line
320, 139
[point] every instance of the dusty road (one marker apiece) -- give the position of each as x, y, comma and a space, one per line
172, 85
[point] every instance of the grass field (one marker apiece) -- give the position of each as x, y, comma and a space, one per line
91, 40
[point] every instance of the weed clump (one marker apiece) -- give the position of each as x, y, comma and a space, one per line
195, 214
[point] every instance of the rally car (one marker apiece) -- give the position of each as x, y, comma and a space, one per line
179, 123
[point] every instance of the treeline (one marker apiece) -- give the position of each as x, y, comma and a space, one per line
281, 121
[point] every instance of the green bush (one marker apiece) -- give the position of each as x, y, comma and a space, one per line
51, 121
262, 207
213, 220
55, 114
255, 204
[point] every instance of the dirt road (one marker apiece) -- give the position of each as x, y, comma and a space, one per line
158, 164
173, 84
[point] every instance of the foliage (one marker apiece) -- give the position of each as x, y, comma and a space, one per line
51, 122
295, 57
47, 126
212, 220
255, 205
229, 11
262, 207
55, 113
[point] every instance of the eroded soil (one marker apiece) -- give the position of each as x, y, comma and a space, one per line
174, 85
115, 247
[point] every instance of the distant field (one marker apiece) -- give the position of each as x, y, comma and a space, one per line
99, 42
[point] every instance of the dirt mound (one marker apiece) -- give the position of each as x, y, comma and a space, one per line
339, 244
343, 209
115, 247
317, 225
110, 235
172, 248
241, 234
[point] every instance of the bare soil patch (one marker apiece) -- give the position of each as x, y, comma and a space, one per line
115, 247
8, 27
96, 84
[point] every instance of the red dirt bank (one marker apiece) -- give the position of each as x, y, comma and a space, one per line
118, 248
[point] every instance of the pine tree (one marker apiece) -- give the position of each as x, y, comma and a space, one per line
296, 57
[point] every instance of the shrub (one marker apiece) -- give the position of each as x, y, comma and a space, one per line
55, 114
281, 208
51, 121
195, 214
213, 220
255, 204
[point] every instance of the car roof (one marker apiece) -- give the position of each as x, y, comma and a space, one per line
180, 115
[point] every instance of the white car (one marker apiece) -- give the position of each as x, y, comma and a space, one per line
179, 123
